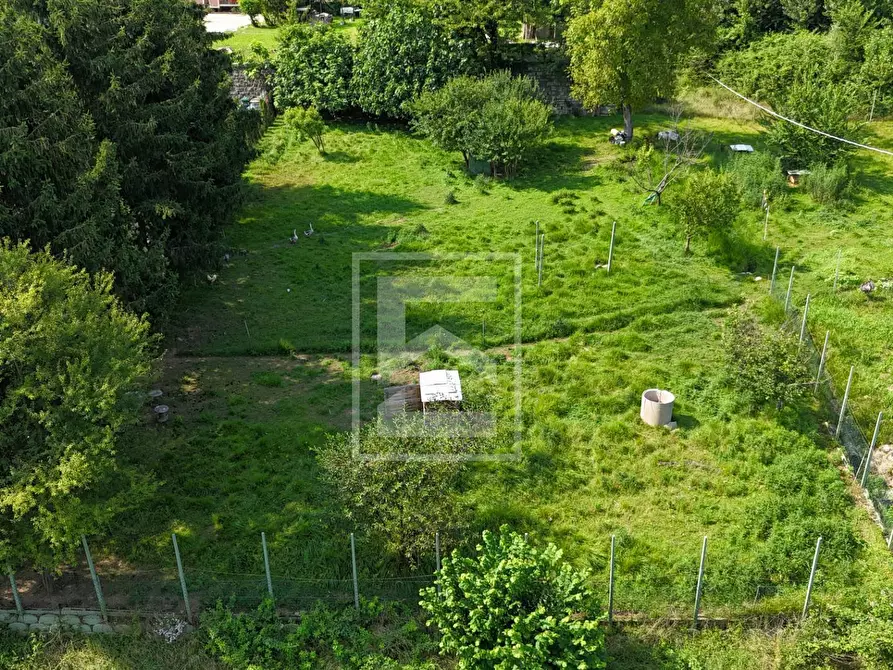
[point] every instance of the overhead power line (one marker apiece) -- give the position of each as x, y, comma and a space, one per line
797, 123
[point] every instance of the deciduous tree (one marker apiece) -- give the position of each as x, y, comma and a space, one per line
627, 52
709, 200
70, 357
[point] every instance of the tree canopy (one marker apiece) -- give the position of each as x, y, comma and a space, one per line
70, 358
157, 138
627, 52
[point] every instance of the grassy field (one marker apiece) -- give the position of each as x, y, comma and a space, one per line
258, 372
242, 39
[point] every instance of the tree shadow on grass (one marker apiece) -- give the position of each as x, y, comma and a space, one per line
630, 652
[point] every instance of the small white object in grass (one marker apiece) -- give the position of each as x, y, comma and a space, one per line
288, 290
376, 377
758, 279
745, 148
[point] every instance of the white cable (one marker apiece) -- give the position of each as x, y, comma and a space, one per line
797, 123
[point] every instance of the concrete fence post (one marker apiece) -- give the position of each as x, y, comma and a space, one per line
356, 581
700, 580
818, 377
437, 557
867, 464
15, 593
182, 577
815, 564
263, 542
611, 248
96, 585
803, 323
846, 397
774, 271
787, 298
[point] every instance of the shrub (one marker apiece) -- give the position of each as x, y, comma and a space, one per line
756, 174
709, 201
513, 605
398, 501
499, 119
314, 66
403, 53
764, 364
251, 8
827, 184
306, 124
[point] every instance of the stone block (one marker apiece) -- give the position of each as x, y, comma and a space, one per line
28, 618
70, 620
84, 628
8, 615
92, 619
39, 627
102, 628
18, 627
49, 619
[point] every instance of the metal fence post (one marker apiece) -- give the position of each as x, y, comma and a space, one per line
353, 560
437, 558
774, 270
787, 298
700, 579
846, 396
815, 563
611, 248
182, 577
611, 584
818, 377
15, 594
877, 429
263, 542
766, 224
805, 315
96, 585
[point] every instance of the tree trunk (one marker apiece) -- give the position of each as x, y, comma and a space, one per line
465, 157
687, 244
627, 121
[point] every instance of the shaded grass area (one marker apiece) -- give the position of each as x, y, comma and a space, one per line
238, 456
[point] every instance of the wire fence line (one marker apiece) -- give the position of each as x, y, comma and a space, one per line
839, 409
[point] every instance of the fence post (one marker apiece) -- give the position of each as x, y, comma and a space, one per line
437, 557
611, 248
805, 315
182, 577
890, 541
539, 280
611, 584
536, 244
766, 224
787, 299
15, 594
818, 377
353, 560
846, 396
877, 428
815, 563
836, 272
774, 270
263, 542
700, 580
96, 585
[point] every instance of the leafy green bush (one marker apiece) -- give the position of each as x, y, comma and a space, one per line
844, 638
306, 124
828, 184
515, 606
763, 363
401, 54
399, 502
756, 174
314, 66
251, 8
499, 119
709, 202
825, 105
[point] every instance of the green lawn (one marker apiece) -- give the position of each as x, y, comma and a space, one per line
238, 459
258, 372
242, 39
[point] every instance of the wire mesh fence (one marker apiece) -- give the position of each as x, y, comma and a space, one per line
838, 409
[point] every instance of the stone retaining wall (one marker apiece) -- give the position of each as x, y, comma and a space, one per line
81, 621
